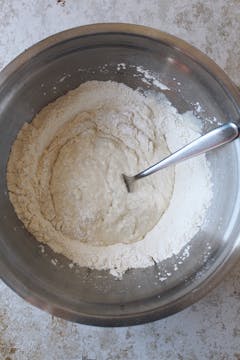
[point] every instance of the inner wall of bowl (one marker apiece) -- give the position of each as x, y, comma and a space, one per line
51, 74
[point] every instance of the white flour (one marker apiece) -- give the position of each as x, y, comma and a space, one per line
64, 178
150, 78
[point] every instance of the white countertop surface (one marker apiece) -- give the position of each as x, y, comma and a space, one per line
210, 329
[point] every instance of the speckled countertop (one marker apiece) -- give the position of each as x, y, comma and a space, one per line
209, 329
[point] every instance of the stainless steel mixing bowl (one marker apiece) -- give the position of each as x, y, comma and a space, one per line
60, 63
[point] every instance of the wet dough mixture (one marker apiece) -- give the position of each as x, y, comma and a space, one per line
64, 178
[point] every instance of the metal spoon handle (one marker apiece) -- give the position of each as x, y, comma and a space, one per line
213, 139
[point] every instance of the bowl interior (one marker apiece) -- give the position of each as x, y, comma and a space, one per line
95, 297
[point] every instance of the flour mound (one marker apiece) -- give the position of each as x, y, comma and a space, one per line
64, 178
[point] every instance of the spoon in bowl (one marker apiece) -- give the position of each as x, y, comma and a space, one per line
212, 140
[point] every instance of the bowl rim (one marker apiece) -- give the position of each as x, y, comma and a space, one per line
214, 279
